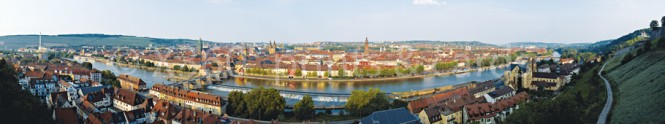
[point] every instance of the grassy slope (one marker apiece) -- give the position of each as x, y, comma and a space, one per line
640, 89
17, 41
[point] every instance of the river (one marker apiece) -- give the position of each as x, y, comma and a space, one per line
324, 93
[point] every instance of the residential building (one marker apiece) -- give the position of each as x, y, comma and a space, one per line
131, 82
196, 100
127, 100
431, 115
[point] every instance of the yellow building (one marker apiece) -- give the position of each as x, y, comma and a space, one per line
511, 77
451, 116
431, 115
534, 80
131, 82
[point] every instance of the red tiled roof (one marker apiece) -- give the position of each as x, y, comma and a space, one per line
193, 96
129, 97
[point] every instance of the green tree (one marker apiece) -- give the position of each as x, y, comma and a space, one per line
185, 69
340, 73
108, 78
236, 104
176, 67
365, 102
420, 69
87, 65
304, 109
298, 72
326, 74
264, 104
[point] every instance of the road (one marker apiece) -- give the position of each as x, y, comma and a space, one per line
602, 118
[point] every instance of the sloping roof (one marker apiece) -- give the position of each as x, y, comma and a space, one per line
34, 74
88, 90
132, 79
391, 116
92, 119
190, 116
502, 91
129, 97
543, 84
544, 75
195, 96
95, 96
165, 110
416, 106
66, 116
433, 113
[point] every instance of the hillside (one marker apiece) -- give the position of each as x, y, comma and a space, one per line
639, 87
75, 40
608, 46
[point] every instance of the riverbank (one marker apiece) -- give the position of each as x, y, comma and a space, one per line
175, 75
285, 78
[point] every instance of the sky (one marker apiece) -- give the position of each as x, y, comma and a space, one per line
291, 21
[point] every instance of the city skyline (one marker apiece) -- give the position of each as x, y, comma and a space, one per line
294, 21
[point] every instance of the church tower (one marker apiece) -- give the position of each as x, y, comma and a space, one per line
366, 46
200, 45
272, 49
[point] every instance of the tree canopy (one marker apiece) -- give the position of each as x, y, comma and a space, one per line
304, 109
365, 102
259, 103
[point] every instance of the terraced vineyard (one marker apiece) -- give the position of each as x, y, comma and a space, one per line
639, 89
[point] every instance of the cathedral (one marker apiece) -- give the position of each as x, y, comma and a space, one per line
531, 79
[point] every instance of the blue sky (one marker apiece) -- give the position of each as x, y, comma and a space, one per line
490, 21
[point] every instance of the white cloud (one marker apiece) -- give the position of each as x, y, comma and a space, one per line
428, 2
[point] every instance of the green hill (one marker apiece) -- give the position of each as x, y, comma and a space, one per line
639, 89
75, 40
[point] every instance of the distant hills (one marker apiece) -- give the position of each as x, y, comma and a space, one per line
74, 40
453, 43
546, 45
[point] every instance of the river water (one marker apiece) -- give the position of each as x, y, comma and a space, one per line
324, 93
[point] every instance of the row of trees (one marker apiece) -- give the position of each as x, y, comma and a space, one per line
259, 71
445, 65
184, 68
387, 72
259, 103
146, 63
267, 104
